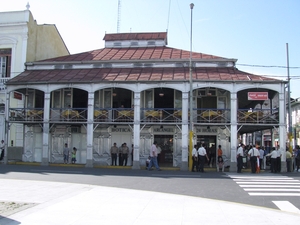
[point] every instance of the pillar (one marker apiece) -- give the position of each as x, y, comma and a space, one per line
90, 130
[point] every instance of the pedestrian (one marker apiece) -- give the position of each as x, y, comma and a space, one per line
240, 155
278, 160
212, 157
120, 155
202, 155
288, 160
74, 155
114, 154
253, 154
125, 154
66, 153
2, 148
261, 158
153, 157
220, 164
297, 158
132, 148
273, 155
158, 154
195, 158
220, 152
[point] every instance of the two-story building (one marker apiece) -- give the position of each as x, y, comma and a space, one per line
136, 90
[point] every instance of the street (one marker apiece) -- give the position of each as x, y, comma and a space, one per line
264, 189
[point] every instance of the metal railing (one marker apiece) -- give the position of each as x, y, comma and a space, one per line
147, 115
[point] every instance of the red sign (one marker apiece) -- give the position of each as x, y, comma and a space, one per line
258, 96
18, 95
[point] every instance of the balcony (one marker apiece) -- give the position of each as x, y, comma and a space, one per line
258, 116
147, 115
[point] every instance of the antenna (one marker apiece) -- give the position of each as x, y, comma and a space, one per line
119, 16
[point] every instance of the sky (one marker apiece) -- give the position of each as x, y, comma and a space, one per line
263, 35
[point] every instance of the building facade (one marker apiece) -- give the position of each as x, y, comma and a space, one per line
22, 40
137, 90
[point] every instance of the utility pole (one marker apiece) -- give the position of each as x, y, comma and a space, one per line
191, 92
289, 101
119, 16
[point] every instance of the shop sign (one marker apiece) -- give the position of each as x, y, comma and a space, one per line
121, 130
163, 130
258, 96
205, 130
17, 95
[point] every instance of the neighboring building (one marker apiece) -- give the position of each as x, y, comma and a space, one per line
22, 40
136, 90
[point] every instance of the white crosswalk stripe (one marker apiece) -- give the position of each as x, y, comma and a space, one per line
268, 185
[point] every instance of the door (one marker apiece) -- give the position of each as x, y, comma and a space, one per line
165, 146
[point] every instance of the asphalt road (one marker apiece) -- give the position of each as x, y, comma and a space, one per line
211, 185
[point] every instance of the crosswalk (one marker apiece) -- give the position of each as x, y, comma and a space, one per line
268, 185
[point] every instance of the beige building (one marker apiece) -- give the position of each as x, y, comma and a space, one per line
22, 40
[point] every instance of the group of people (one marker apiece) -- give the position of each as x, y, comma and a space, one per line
66, 153
200, 155
254, 153
257, 153
122, 153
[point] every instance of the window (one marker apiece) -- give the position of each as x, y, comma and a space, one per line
5, 62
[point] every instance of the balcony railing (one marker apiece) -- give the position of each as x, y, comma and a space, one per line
258, 116
147, 115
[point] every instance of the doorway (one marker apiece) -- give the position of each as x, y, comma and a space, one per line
211, 150
165, 146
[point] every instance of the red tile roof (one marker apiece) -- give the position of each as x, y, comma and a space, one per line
133, 75
135, 36
142, 53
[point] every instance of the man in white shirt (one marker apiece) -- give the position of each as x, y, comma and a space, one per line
278, 160
2, 149
253, 154
195, 158
273, 155
261, 157
240, 155
153, 157
202, 154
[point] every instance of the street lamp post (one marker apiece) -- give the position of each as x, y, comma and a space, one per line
191, 93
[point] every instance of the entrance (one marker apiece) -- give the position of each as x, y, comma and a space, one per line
165, 143
211, 150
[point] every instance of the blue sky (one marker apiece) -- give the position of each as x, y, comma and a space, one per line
253, 31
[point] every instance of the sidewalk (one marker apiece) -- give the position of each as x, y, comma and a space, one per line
37, 202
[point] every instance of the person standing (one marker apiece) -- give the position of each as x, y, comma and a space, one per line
120, 155
240, 155
2, 148
74, 155
114, 154
288, 160
220, 151
297, 158
278, 160
261, 157
202, 155
66, 153
273, 155
153, 157
195, 158
212, 157
132, 148
125, 154
253, 154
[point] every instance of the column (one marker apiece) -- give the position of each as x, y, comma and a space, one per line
233, 131
136, 131
45, 153
282, 130
185, 132
90, 130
